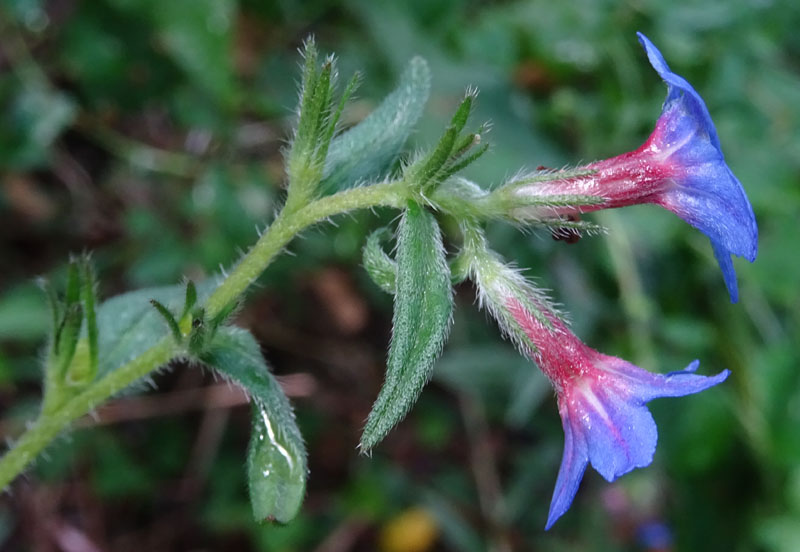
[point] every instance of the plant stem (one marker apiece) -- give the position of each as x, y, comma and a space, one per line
282, 230
48, 426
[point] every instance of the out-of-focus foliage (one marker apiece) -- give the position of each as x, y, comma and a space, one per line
151, 131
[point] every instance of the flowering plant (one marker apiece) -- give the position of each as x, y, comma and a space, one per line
96, 350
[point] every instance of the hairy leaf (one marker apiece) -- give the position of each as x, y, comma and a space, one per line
129, 325
369, 148
276, 459
423, 306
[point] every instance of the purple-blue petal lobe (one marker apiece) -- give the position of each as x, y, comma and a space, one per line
678, 85
573, 466
728, 273
623, 435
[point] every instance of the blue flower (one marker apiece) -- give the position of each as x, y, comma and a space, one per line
680, 167
601, 398
607, 424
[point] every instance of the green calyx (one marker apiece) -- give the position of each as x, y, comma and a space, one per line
319, 115
192, 330
455, 151
73, 351
498, 282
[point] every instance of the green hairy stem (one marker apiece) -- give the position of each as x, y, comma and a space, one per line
53, 421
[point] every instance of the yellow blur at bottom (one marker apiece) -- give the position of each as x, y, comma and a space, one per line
414, 530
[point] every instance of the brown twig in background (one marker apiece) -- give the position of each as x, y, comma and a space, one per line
220, 395
204, 450
344, 536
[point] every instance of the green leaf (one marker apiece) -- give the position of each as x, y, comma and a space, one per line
303, 137
423, 306
458, 165
451, 153
333, 122
128, 324
461, 116
380, 267
82, 367
199, 334
73, 292
369, 148
317, 124
321, 104
276, 459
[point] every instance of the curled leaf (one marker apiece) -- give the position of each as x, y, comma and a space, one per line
276, 459
380, 267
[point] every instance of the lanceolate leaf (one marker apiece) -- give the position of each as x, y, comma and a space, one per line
369, 148
423, 306
276, 459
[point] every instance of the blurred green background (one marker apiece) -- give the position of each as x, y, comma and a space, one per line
150, 132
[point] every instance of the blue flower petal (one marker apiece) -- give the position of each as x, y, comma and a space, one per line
723, 257
573, 466
607, 424
706, 194
646, 386
677, 85
623, 434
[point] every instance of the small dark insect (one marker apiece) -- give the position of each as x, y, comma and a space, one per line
569, 235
